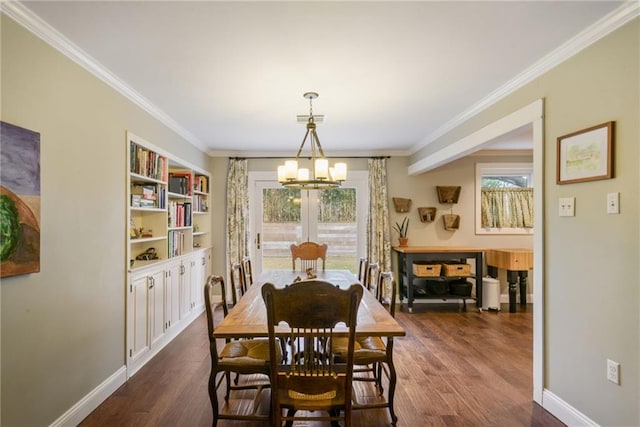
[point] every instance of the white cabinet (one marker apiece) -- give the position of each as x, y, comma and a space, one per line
156, 305
185, 287
169, 220
137, 335
173, 277
146, 312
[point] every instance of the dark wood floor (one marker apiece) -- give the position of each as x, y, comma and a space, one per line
455, 368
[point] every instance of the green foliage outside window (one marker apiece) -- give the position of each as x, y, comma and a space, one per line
283, 205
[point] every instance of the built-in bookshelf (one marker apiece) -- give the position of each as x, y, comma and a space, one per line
168, 205
169, 226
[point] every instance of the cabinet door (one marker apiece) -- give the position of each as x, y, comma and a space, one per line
172, 294
197, 281
139, 317
156, 305
185, 289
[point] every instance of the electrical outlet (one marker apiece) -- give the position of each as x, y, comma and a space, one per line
613, 371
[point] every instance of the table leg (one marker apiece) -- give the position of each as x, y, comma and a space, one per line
523, 287
409, 271
512, 279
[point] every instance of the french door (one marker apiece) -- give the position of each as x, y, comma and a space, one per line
280, 217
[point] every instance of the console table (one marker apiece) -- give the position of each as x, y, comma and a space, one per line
517, 262
407, 255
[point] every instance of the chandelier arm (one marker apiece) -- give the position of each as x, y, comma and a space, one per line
315, 135
302, 145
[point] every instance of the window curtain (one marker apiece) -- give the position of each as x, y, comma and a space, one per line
507, 207
237, 210
378, 235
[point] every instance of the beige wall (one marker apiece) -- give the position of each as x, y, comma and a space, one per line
63, 329
592, 291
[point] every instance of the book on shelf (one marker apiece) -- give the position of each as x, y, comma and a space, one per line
149, 192
201, 184
200, 203
147, 163
176, 243
180, 182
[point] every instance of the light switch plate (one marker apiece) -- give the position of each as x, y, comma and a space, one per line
613, 203
566, 206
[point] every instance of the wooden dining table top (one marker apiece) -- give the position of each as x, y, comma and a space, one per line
248, 318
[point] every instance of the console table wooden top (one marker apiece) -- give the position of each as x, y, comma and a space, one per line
435, 249
514, 259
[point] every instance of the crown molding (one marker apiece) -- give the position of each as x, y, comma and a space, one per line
290, 154
609, 23
32, 22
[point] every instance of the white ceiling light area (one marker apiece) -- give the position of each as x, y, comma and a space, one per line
228, 75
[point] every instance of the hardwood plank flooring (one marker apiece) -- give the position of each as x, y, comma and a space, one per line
455, 368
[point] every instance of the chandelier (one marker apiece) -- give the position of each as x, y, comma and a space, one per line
322, 176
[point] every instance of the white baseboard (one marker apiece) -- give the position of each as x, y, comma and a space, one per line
565, 412
91, 401
169, 335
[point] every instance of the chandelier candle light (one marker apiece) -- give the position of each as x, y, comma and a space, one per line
290, 176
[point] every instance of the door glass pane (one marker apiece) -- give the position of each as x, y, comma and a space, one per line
337, 226
281, 226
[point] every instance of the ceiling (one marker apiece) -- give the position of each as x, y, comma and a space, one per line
229, 76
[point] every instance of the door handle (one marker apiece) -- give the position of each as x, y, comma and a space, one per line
258, 240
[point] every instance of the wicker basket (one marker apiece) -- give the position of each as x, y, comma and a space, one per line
461, 270
426, 270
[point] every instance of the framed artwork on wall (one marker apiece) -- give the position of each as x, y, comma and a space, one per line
585, 155
19, 200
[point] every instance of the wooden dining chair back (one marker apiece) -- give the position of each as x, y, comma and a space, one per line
371, 279
373, 356
248, 271
308, 253
242, 357
310, 380
363, 264
238, 284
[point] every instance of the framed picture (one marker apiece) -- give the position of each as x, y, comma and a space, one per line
19, 200
585, 155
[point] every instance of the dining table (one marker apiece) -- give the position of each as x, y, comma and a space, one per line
248, 318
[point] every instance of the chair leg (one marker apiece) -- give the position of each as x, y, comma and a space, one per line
290, 413
227, 377
379, 378
392, 381
213, 396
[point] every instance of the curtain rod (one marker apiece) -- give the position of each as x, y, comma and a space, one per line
305, 157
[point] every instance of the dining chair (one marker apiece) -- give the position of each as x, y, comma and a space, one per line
248, 271
371, 278
238, 284
310, 380
242, 357
308, 253
363, 264
372, 356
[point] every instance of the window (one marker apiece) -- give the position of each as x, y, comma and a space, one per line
280, 217
504, 198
